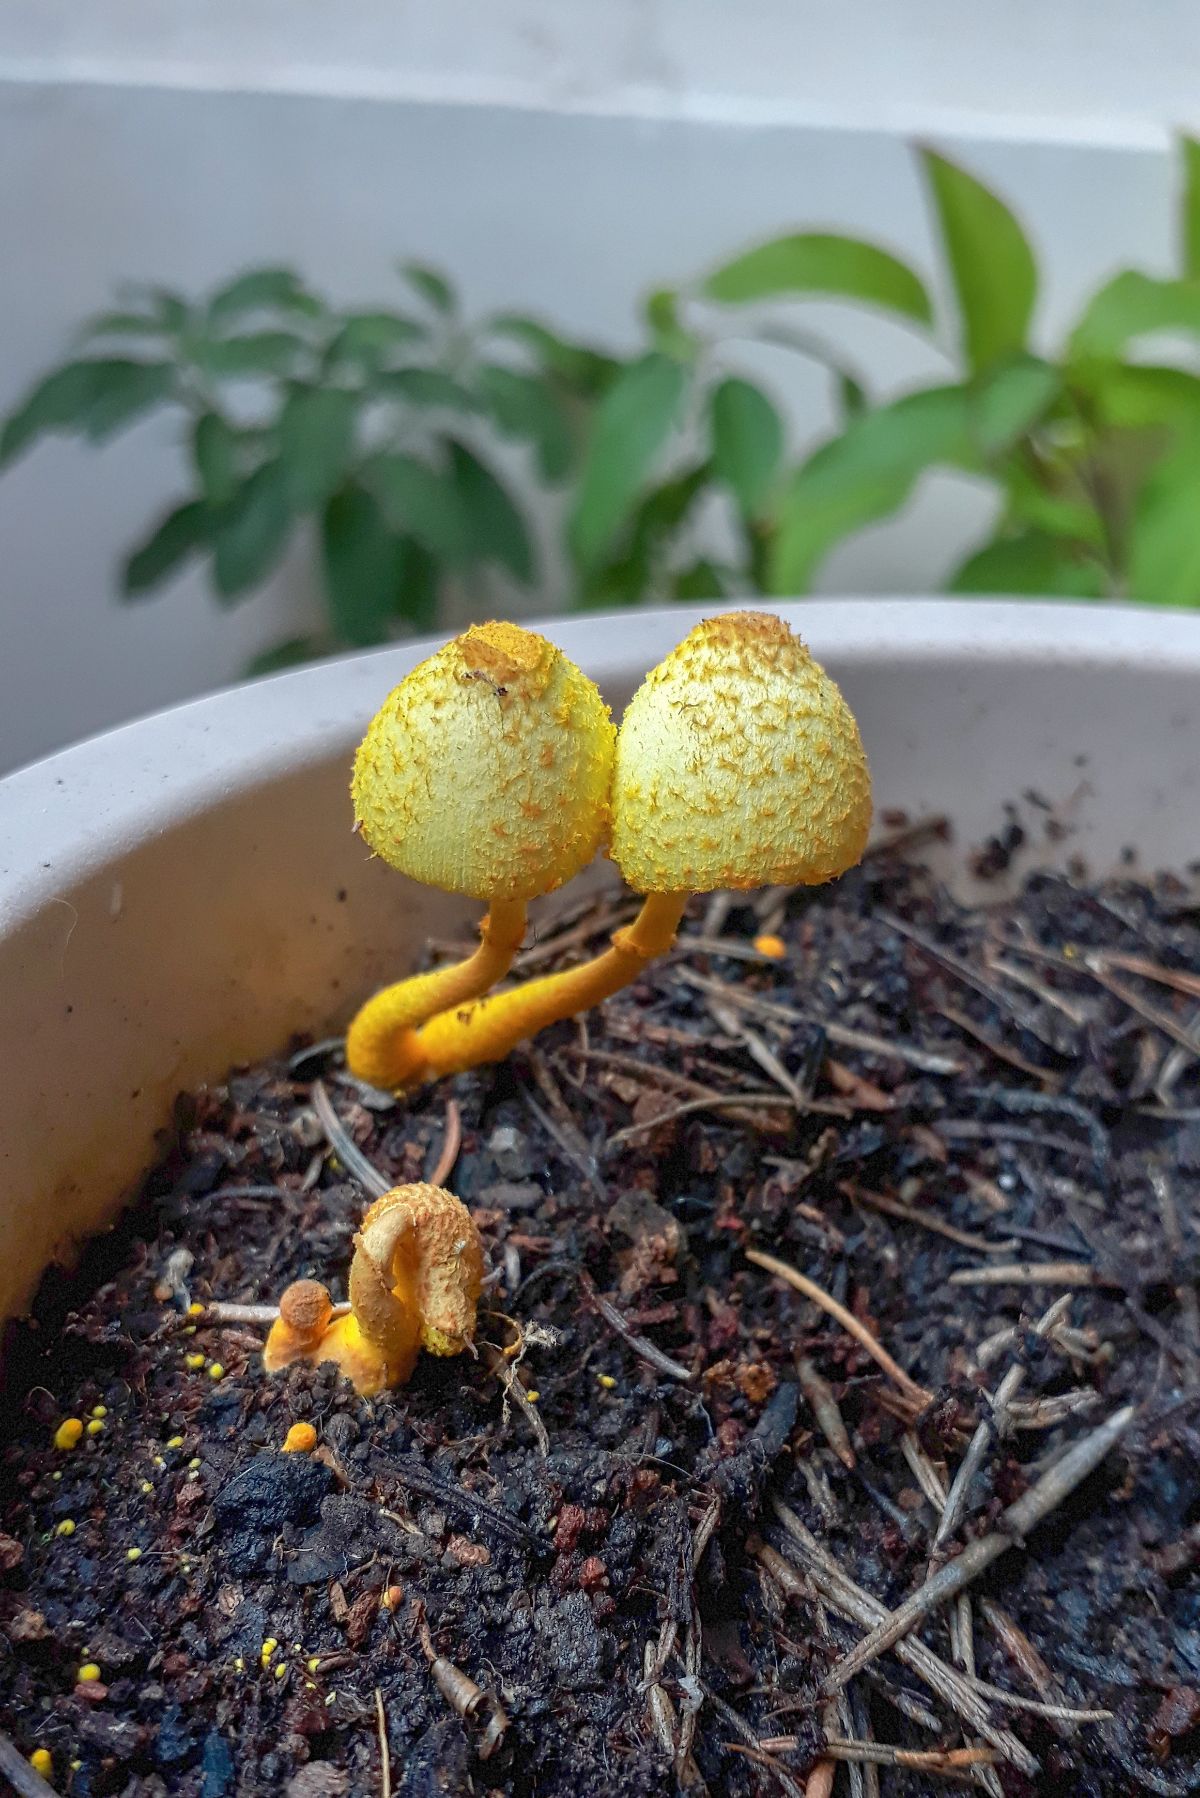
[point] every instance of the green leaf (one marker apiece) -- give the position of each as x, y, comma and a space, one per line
424, 503
362, 558
94, 397
215, 453
863, 475
252, 532
1054, 506
316, 440
1164, 543
587, 372
1006, 402
174, 538
432, 287
262, 289
990, 262
632, 424
497, 528
747, 435
626, 577
702, 580
417, 598
1031, 563
291, 653
1133, 305
123, 324
813, 262
525, 406
1137, 395
1189, 232
257, 353
667, 330
427, 387
365, 340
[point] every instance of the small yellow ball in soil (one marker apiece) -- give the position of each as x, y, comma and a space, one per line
94, 1428
215, 1371
174, 1441
195, 1309
66, 1527
68, 1433
606, 1380
195, 1362
133, 1554
42, 1761
301, 1439
88, 1674
99, 1410
773, 947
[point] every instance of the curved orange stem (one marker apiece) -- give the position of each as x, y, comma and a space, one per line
381, 1041
490, 1028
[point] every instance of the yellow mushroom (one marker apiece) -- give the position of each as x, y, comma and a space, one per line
486, 772
414, 1283
738, 764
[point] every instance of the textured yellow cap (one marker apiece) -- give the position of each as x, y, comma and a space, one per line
487, 770
738, 764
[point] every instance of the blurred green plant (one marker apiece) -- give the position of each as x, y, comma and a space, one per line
676, 482
379, 427
1093, 452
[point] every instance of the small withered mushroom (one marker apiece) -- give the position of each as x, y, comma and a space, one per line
415, 1282
738, 764
486, 772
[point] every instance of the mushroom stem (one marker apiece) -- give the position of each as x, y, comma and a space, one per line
381, 1041
490, 1028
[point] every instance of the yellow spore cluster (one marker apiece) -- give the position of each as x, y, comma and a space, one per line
487, 770
415, 1282
739, 764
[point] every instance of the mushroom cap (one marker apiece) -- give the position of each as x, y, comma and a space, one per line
738, 764
487, 770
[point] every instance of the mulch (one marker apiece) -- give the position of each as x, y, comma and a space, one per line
619, 1551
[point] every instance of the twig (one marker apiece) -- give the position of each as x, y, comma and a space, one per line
861, 1607
1149, 1014
759, 1052
1015, 1523
218, 1312
385, 1759
1185, 1290
25, 1780
347, 1151
743, 1729
912, 1214
1149, 970
882, 1754
450, 1145
719, 1103
929, 1061
1033, 1273
569, 1136
584, 1162
851, 1324
824, 1407
661, 1362
506, 1374
956, 1498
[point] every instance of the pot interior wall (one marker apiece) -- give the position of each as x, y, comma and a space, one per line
253, 912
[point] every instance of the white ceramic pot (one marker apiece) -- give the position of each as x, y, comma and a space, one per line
186, 892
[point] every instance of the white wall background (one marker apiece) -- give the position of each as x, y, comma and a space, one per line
559, 156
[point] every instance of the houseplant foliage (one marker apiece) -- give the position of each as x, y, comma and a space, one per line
673, 469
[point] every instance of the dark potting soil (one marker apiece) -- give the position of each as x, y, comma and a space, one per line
636, 1573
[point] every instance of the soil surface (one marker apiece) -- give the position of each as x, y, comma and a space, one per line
633, 1575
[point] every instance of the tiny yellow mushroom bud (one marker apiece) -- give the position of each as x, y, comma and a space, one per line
174, 1441
313, 1662
147, 1485
216, 1371
195, 1309
239, 1665
99, 1410
415, 1282
66, 1527
194, 1463
42, 1761
56, 1475
606, 1380
281, 1670
301, 1439
88, 1674
486, 773
305, 1311
133, 1554
393, 1598
738, 764
158, 1461
68, 1432
195, 1362
95, 1427
533, 1395
773, 947
268, 1649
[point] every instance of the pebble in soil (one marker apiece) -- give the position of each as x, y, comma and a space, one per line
1032, 1086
